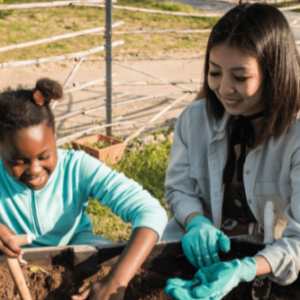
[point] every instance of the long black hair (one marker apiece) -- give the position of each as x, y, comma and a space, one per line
261, 30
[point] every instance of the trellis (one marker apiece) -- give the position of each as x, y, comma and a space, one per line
81, 57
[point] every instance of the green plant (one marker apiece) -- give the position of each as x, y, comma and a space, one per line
98, 145
107, 224
148, 167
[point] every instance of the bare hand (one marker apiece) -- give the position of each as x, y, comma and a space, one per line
7, 244
102, 290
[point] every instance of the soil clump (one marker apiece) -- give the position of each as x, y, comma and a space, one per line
57, 281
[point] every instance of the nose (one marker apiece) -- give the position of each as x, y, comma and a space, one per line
35, 168
226, 86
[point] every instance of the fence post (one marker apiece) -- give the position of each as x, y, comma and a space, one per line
108, 49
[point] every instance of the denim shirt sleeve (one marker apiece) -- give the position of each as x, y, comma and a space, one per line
284, 255
125, 197
181, 194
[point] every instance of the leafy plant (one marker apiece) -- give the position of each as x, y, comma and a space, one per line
98, 145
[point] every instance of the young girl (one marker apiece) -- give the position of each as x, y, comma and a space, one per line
236, 149
45, 191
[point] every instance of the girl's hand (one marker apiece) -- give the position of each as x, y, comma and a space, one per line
203, 241
7, 244
102, 290
112, 287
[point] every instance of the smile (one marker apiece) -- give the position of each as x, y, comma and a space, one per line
232, 103
36, 181
229, 101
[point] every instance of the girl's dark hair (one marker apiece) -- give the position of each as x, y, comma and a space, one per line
19, 110
261, 31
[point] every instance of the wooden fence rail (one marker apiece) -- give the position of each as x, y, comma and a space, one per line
22, 63
152, 11
58, 37
44, 4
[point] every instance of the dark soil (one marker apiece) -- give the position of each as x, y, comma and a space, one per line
57, 281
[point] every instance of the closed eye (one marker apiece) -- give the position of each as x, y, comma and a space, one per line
214, 74
240, 79
44, 158
17, 162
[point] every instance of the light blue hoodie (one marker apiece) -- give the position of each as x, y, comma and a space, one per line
54, 214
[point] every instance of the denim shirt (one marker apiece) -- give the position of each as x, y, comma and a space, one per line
54, 214
271, 172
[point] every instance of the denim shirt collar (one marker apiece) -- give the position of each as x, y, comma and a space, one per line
220, 125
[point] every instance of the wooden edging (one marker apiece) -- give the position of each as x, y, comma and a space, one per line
57, 58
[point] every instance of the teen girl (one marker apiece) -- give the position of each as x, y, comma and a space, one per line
44, 191
236, 149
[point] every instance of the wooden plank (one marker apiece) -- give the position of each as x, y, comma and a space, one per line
58, 37
47, 4
152, 11
14, 64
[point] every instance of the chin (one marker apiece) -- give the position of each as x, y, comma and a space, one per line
36, 188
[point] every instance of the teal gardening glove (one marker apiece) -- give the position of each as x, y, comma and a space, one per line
202, 242
213, 282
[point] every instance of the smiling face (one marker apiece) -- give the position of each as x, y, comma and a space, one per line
236, 79
29, 155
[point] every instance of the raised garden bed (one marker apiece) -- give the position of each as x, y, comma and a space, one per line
105, 148
55, 277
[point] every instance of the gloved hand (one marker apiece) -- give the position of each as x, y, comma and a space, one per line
202, 242
182, 289
213, 282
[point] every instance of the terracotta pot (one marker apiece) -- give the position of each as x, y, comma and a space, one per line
110, 154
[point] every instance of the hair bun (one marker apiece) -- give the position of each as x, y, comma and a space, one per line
49, 88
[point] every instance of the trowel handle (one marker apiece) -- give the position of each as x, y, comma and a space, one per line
15, 269
18, 277
22, 239
269, 223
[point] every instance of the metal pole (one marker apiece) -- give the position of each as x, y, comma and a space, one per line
108, 34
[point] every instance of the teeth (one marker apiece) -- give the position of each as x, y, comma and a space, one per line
232, 101
35, 179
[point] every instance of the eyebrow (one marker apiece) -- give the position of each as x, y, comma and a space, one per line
19, 157
234, 69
